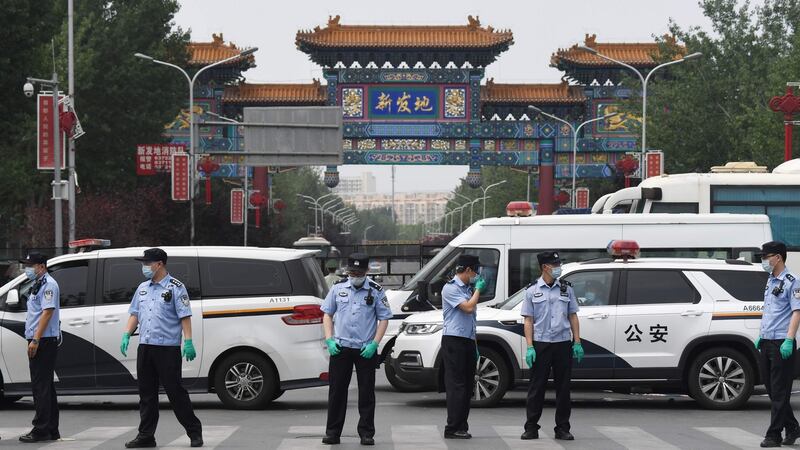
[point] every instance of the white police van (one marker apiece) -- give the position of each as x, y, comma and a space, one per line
255, 323
664, 324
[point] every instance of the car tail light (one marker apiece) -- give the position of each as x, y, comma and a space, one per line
623, 249
323, 376
304, 315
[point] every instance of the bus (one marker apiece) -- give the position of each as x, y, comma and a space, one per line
742, 188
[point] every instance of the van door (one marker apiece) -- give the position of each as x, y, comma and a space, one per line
492, 270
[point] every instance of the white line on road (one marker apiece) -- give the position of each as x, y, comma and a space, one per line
13, 433
90, 438
212, 437
309, 437
635, 438
415, 437
511, 434
733, 436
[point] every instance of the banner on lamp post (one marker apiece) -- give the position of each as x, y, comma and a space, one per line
180, 177
582, 198
45, 142
237, 206
655, 163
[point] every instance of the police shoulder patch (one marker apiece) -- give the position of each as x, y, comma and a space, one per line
796, 294
176, 282
48, 294
385, 302
375, 285
185, 300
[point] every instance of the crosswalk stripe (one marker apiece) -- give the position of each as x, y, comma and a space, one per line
415, 437
314, 430
13, 433
511, 434
634, 437
308, 437
90, 438
735, 437
212, 437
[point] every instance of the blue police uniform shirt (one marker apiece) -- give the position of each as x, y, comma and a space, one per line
354, 321
47, 297
457, 322
160, 308
550, 307
778, 308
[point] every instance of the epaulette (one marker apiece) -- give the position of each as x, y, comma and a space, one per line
175, 282
452, 280
790, 277
530, 284
375, 285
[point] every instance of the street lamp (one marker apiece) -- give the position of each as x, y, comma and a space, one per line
644, 81
191, 81
365, 232
575, 132
315, 202
485, 190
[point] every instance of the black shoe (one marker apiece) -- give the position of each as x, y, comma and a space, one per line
55, 435
564, 435
330, 440
528, 435
367, 440
141, 442
458, 435
34, 437
791, 436
196, 441
771, 442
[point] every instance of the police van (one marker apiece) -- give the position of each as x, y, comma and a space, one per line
256, 323
670, 325
507, 248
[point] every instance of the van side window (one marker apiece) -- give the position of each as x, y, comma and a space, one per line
674, 207
592, 287
745, 286
489, 259
72, 278
646, 287
121, 277
523, 267
232, 277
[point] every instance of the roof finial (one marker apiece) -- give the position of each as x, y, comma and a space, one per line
590, 41
217, 38
333, 22
474, 22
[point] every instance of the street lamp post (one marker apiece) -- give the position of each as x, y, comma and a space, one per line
365, 232
485, 190
191, 81
315, 202
644, 81
575, 132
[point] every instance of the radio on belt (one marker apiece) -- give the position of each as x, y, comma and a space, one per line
624, 250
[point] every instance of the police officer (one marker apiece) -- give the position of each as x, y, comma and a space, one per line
553, 336
355, 320
42, 329
459, 345
160, 308
779, 322
331, 278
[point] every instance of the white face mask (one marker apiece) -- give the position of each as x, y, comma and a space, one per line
555, 272
769, 268
30, 272
357, 282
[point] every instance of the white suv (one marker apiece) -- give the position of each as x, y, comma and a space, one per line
255, 322
669, 325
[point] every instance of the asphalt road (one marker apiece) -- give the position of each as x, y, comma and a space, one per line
600, 420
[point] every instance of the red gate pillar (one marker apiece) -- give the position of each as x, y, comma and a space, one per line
789, 105
546, 178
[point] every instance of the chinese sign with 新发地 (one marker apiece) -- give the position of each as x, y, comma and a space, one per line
399, 102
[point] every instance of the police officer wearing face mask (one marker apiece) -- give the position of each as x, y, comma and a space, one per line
459, 345
42, 328
776, 343
553, 336
355, 320
161, 309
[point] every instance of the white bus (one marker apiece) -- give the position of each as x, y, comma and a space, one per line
741, 188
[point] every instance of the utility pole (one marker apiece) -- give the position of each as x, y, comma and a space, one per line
71, 177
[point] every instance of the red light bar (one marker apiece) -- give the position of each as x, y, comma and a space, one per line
519, 209
623, 249
81, 243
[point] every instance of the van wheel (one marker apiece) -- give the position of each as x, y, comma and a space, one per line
399, 384
245, 380
491, 379
277, 394
721, 379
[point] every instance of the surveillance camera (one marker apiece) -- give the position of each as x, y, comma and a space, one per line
28, 89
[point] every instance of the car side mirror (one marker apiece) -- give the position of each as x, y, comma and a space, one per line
12, 298
422, 291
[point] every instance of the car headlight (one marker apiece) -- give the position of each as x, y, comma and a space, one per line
422, 328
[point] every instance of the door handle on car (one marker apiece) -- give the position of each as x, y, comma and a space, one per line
109, 320
692, 312
78, 322
597, 316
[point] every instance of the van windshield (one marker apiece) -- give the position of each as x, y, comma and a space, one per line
427, 269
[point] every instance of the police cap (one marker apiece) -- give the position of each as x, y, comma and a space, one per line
548, 258
471, 261
34, 258
358, 262
773, 248
153, 255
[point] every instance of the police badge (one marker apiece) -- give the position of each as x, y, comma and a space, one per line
48, 295
185, 300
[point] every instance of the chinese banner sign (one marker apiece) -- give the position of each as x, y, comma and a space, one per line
582, 198
180, 177
237, 206
655, 163
156, 158
404, 102
45, 158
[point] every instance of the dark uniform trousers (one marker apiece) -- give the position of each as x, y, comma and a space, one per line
162, 364
458, 358
558, 356
777, 374
340, 371
45, 400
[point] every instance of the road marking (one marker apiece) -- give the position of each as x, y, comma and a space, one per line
735, 437
212, 437
634, 437
14, 433
511, 434
309, 437
90, 438
415, 437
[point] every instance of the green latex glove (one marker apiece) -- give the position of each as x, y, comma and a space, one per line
188, 350
123, 347
758, 342
333, 347
577, 351
477, 353
787, 348
480, 284
530, 356
368, 350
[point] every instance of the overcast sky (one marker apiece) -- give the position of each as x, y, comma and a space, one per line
540, 27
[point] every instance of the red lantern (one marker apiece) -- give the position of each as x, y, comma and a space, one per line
627, 165
258, 200
208, 166
279, 205
562, 198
